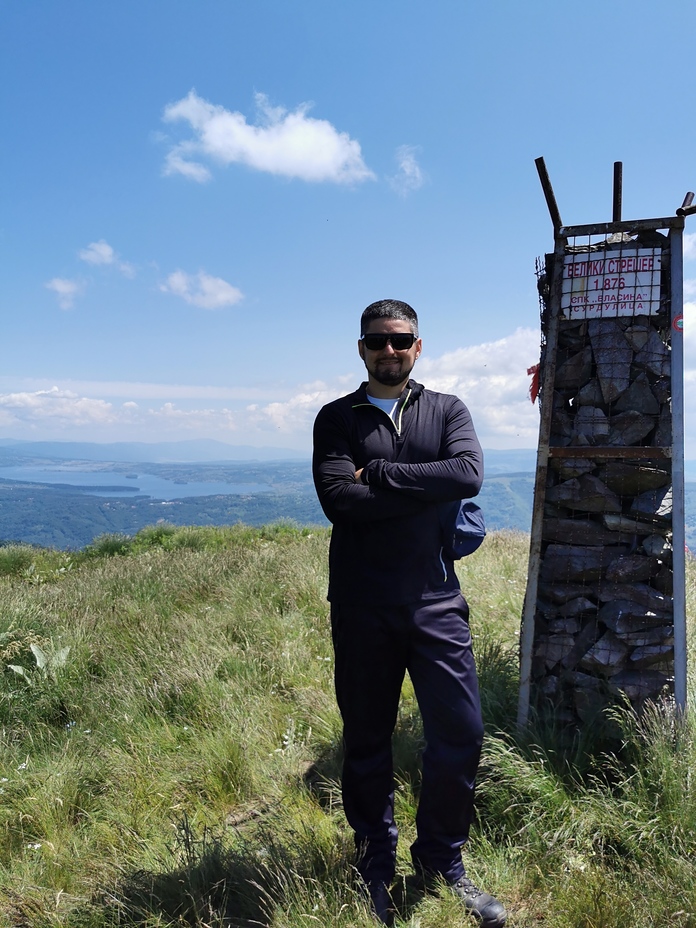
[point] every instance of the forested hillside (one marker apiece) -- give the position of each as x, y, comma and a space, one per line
65, 517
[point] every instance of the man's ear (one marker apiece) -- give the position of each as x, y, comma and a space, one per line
361, 348
419, 348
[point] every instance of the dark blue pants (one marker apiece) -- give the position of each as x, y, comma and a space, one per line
374, 646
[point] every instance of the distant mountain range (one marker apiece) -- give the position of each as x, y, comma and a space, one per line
198, 451
206, 451
195, 451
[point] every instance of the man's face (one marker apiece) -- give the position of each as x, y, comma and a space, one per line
387, 366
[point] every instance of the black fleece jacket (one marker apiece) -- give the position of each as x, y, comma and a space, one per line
386, 544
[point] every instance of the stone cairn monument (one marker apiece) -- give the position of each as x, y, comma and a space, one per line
604, 614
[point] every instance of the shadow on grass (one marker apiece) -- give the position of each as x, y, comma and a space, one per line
269, 859
266, 860
323, 777
213, 882
204, 883
244, 887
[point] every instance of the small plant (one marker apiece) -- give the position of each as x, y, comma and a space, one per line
109, 545
155, 536
15, 559
47, 663
15, 641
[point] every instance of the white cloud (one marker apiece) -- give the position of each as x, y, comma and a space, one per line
690, 342
689, 380
195, 420
176, 163
60, 406
409, 176
98, 253
289, 144
690, 246
297, 413
101, 253
58, 410
202, 290
690, 287
66, 290
491, 378
130, 390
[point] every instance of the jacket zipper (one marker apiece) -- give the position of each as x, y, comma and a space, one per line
444, 569
397, 425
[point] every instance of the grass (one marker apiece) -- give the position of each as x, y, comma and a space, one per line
174, 757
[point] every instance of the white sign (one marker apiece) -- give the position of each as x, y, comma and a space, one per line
611, 283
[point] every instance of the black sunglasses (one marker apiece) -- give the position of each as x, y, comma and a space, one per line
400, 341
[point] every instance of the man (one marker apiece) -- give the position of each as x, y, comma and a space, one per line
385, 458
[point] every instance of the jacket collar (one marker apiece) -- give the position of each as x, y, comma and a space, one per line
412, 385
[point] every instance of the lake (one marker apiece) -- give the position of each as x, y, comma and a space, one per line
108, 483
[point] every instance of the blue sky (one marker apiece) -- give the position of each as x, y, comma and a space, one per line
199, 198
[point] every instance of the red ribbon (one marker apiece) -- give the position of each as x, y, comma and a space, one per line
534, 385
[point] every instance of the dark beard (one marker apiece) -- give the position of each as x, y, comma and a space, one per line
391, 377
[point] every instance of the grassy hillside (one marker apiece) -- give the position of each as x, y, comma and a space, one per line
170, 752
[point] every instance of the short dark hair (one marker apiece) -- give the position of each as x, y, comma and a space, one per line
389, 309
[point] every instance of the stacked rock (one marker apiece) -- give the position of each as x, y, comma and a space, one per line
604, 617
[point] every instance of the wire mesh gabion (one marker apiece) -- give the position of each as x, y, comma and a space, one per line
604, 620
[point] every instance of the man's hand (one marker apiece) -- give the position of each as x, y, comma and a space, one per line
358, 475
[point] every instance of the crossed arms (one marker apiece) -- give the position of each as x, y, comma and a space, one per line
385, 490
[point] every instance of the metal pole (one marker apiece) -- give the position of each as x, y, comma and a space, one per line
632, 226
618, 191
549, 373
686, 209
548, 193
678, 528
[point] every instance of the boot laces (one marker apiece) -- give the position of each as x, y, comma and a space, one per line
469, 887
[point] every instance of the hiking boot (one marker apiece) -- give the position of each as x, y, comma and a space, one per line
485, 908
380, 899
